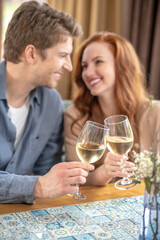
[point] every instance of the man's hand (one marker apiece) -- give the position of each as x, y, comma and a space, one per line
61, 179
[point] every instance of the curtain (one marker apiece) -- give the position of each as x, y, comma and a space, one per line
93, 16
143, 31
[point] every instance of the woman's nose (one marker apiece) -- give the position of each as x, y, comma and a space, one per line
90, 70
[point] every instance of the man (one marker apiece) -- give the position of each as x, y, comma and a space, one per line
37, 50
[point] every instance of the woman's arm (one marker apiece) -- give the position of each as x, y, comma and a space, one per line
106, 168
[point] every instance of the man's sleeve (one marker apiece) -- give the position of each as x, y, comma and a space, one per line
16, 188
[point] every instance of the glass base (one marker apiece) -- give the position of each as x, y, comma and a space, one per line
125, 183
78, 195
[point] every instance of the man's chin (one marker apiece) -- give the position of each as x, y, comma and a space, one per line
52, 85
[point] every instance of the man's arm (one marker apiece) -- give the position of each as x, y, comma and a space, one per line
62, 179
16, 188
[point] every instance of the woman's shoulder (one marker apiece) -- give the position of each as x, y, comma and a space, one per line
156, 104
153, 107
72, 110
71, 113
150, 112
150, 106
155, 111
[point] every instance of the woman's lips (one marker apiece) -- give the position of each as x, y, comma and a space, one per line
94, 82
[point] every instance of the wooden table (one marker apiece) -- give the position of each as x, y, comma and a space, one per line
93, 193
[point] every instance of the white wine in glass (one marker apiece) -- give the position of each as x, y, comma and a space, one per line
90, 152
120, 141
119, 145
91, 145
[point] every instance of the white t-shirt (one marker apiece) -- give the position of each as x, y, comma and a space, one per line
18, 117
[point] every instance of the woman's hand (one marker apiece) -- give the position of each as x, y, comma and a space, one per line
118, 166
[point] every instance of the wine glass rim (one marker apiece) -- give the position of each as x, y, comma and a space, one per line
98, 125
116, 116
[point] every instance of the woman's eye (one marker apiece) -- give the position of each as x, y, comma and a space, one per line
99, 61
84, 66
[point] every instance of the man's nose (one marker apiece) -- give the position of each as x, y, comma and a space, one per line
68, 64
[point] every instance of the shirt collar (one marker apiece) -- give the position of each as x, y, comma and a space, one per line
35, 95
3, 79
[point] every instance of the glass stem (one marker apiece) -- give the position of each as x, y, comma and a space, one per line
126, 181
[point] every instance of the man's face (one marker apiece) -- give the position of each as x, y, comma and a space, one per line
57, 60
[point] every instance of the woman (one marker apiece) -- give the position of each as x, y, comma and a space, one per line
110, 81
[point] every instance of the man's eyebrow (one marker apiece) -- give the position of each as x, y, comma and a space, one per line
64, 52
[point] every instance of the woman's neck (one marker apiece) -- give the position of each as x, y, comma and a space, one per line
109, 106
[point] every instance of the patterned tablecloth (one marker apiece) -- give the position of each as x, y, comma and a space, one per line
111, 219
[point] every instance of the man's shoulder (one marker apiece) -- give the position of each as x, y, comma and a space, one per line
50, 98
49, 94
2, 67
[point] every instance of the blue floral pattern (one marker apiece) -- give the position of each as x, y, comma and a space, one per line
110, 219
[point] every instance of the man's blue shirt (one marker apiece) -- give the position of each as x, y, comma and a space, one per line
40, 147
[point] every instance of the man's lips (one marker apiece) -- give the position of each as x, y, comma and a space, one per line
58, 75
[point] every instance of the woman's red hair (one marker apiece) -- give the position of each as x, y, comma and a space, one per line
130, 89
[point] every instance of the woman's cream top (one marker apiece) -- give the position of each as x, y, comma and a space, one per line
148, 125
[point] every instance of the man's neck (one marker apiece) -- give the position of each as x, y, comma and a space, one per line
17, 88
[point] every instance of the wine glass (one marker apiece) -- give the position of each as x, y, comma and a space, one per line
91, 145
120, 141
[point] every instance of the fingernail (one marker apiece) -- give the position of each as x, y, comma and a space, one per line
132, 164
92, 167
124, 157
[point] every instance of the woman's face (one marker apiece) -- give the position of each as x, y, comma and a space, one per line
98, 64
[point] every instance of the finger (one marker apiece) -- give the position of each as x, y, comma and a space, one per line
120, 171
85, 166
116, 157
115, 160
127, 166
114, 169
119, 174
76, 180
77, 172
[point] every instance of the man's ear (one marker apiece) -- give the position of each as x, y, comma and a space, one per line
31, 54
